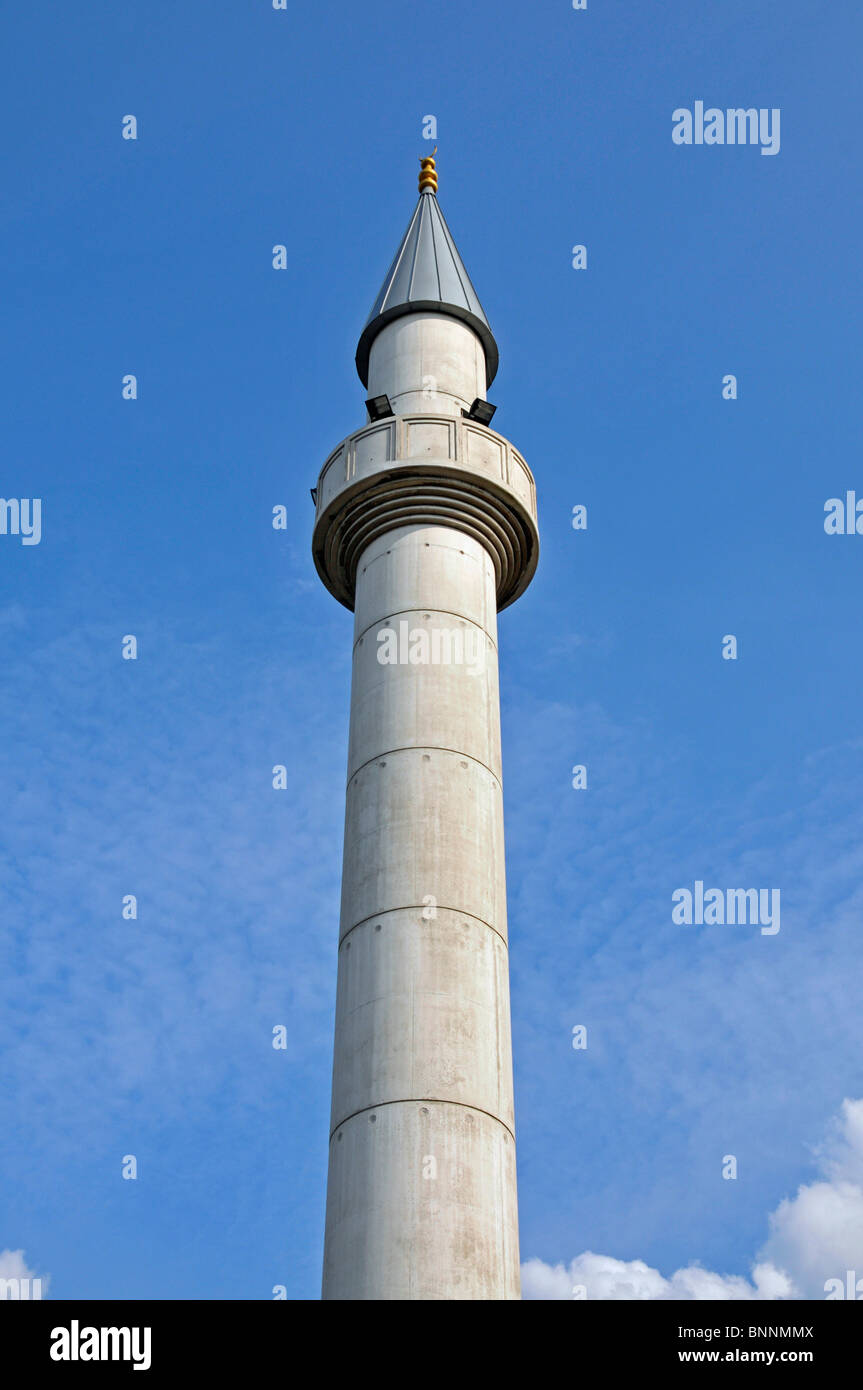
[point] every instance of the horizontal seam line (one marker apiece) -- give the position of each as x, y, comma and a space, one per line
449, 613
419, 748
423, 1100
418, 907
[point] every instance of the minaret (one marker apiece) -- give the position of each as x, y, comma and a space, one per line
425, 526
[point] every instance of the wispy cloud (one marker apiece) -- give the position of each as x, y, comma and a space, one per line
814, 1237
702, 1041
14, 1266
153, 778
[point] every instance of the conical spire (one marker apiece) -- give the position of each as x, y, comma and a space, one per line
427, 275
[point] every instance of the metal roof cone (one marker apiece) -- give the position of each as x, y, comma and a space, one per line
427, 276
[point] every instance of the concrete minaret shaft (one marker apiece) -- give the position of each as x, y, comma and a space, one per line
425, 526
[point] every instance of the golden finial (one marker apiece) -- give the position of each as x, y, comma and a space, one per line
428, 173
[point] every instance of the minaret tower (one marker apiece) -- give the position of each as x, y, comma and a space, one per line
425, 526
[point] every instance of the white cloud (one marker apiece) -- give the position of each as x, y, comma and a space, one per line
818, 1235
815, 1236
632, 1280
13, 1266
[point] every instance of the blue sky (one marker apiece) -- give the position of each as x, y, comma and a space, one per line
705, 517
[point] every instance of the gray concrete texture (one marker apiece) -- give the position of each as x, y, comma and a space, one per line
421, 1198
